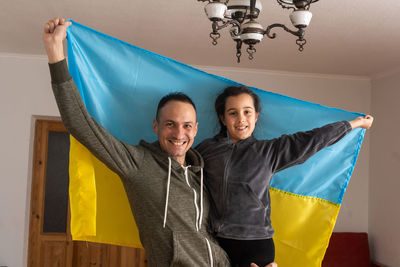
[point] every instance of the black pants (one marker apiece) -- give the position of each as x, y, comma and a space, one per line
243, 252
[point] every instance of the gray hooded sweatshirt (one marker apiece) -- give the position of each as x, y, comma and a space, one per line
238, 176
167, 199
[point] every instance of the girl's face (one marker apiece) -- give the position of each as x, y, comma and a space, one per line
240, 117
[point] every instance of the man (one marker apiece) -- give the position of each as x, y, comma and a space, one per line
163, 180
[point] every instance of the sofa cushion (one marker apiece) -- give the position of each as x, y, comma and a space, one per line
347, 250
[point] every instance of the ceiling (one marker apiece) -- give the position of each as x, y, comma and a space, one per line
357, 37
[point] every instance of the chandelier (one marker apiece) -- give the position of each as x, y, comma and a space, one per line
241, 15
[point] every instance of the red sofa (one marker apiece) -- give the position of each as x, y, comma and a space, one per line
348, 250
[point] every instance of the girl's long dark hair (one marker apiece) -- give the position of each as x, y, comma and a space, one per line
233, 91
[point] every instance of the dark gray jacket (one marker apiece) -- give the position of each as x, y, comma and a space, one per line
238, 176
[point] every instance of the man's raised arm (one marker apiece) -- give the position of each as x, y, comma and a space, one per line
55, 31
118, 156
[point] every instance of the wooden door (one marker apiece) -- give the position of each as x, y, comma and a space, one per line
50, 242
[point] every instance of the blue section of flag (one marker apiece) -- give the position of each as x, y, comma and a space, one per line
121, 85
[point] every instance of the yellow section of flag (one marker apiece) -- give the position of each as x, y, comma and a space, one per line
303, 226
100, 210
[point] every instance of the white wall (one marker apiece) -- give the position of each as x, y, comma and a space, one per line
25, 91
384, 208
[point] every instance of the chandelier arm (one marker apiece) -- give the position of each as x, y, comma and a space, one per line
279, 2
303, 5
225, 24
226, 1
299, 33
301, 41
215, 35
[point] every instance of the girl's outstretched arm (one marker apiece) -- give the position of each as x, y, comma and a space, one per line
362, 122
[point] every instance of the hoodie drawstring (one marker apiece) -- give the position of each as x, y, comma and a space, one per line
210, 253
194, 197
167, 196
201, 198
199, 217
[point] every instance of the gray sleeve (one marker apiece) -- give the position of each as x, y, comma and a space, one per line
118, 156
290, 150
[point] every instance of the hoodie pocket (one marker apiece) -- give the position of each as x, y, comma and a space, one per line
191, 249
244, 207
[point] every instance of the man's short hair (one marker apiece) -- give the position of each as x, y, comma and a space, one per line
175, 96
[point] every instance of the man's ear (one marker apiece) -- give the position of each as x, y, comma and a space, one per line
221, 118
196, 128
155, 126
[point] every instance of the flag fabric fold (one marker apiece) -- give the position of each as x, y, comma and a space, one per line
121, 85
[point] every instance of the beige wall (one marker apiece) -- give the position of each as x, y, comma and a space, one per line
25, 92
384, 204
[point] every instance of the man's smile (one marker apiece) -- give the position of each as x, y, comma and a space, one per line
177, 143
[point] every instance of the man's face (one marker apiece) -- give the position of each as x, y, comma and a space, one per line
176, 128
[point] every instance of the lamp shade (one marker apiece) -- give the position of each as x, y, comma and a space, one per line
215, 10
252, 32
301, 18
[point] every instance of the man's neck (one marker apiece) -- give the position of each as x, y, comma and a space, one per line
181, 160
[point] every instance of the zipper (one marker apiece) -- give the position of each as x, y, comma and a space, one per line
225, 188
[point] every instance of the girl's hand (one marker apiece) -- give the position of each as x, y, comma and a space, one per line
362, 122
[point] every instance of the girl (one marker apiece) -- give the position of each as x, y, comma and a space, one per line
239, 168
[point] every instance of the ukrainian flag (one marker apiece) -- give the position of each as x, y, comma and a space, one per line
121, 85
